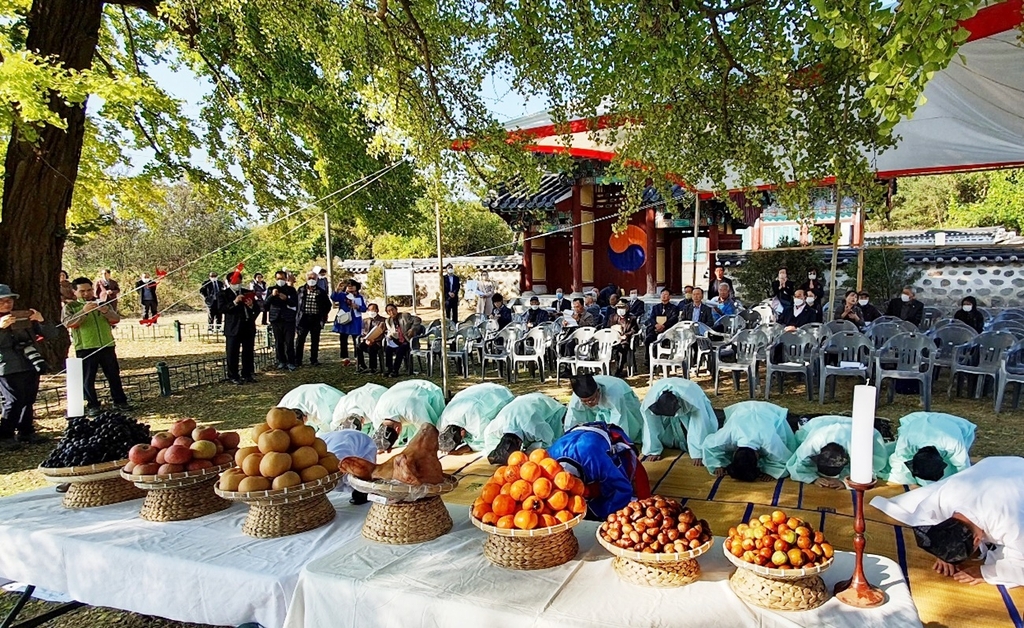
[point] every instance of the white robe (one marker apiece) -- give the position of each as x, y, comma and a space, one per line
991, 495
317, 401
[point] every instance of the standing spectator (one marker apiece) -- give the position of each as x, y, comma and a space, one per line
852, 311
906, 307
146, 288
663, 316
484, 292
90, 325
561, 304
211, 290
290, 278
19, 374
870, 311
969, 314
396, 346
782, 288
720, 279
696, 310
452, 285
604, 296
687, 295
813, 285
535, 315
371, 340
322, 281
259, 288
240, 310
107, 290
349, 321
314, 306
500, 311
283, 302
67, 291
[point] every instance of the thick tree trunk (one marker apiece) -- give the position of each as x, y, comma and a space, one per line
39, 179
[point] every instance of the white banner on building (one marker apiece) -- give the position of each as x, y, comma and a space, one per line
400, 282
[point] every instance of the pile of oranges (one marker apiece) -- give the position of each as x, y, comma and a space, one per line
530, 492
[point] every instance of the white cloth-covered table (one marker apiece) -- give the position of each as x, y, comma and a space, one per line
448, 582
204, 571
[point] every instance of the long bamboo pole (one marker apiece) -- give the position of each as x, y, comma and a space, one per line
444, 323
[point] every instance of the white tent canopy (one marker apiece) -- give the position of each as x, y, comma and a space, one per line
973, 117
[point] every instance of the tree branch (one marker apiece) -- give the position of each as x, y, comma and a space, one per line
728, 9
131, 40
149, 6
724, 47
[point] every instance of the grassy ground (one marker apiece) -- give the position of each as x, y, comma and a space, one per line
226, 406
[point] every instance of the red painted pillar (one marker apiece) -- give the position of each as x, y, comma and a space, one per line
651, 264
577, 241
526, 274
712, 257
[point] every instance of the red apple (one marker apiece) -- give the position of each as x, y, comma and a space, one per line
204, 449
198, 465
183, 427
184, 441
230, 440
146, 469
176, 454
219, 445
223, 458
204, 433
142, 454
161, 456
167, 469
163, 440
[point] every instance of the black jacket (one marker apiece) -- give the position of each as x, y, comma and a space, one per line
791, 318
210, 290
503, 315
452, 284
782, 293
536, 317
706, 315
818, 289
912, 311
281, 309
713, 287
670, 312
870, 312
323, 303
561, 305
972, 318
239, 318
605, 294
151, 284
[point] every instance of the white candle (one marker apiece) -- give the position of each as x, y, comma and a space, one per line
862, 438
75, 388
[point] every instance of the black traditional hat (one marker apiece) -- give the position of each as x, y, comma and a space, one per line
927, 464
951, 541
509, 442
450, 439
667, 404
583, 386
744, 465
831, 460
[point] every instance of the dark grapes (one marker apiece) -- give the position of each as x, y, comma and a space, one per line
106, 438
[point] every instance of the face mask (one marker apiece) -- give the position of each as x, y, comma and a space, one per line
621, 312
968, 307
812, 276
810, 300
905, 298
451, 271
798, 302
281, 283
558, 295
236, 287
311, 282
534, 306
862, 302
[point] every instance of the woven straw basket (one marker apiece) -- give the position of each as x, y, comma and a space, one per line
658, 569
777, 589
287, 511
93, 485
540, 548
179, 496
408, 514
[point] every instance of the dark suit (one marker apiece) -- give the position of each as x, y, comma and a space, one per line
310, 323
281, 307
870, 312
706, 314
713, 287
912, 311
561, 305
536, 317
791, 318
783, 293
452, 285
147, 294
503, 315
211, 290
239, 332
671, 314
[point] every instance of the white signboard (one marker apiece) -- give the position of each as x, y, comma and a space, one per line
400, 282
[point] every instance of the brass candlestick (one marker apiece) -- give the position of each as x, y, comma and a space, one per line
857, 591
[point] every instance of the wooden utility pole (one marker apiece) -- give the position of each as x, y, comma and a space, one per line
444, 323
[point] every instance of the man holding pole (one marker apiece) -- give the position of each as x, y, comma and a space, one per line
90, 325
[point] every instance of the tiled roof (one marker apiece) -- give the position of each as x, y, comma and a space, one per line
967, 236
509, 197
488, 262
913, 255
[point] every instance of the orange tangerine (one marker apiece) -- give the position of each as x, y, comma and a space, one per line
526, 520
533, 504
490, 518
517, 458
577, 487
505, 488
577, 505
503, 505
551, 468
559, 500
511, 473
499, 475
542, 488
546, 521
490, 491
563, 516
537, 455
521, 489
507, 522
564, 480
530, 471
479, 510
